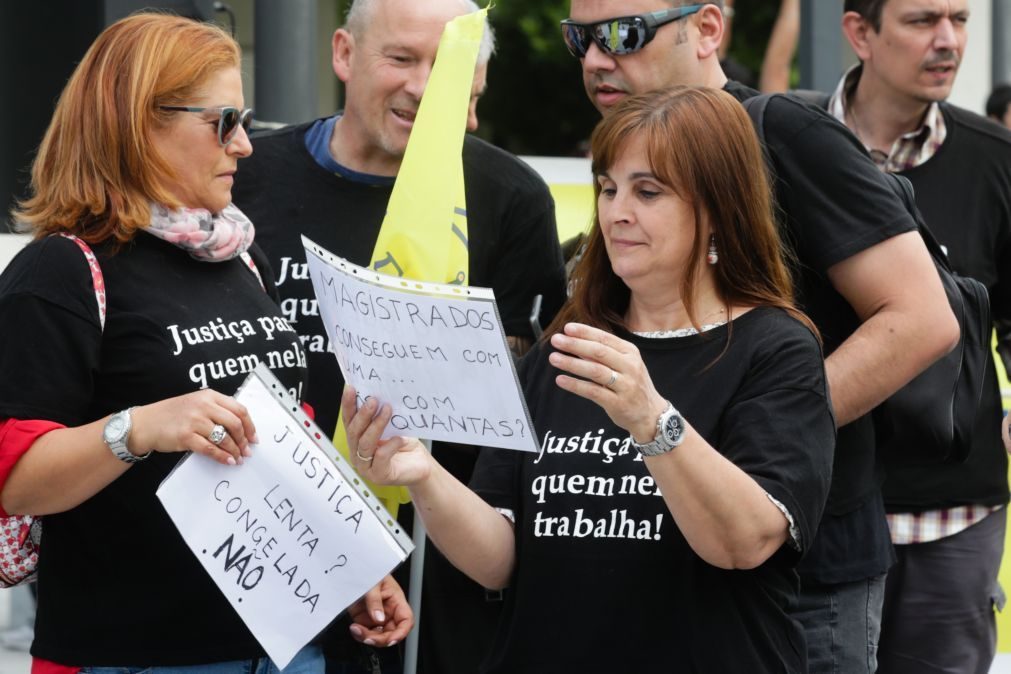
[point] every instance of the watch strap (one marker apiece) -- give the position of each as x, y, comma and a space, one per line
118, 447
670, 432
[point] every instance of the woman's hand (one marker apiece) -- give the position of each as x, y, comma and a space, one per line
382, 617
399, 461
1005, 432
183, 424
610, 372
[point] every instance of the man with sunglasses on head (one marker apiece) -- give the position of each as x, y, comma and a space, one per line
865, 279
331, 179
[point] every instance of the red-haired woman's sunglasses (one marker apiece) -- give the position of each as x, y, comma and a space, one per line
229, 121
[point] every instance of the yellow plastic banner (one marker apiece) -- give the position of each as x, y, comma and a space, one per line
424, 234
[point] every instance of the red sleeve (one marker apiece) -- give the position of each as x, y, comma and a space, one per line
16, 437
40, 666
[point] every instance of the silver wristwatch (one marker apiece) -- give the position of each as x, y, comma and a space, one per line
670, 432
116, 434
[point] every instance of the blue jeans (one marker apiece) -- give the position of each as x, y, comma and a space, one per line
842, 624
309, 660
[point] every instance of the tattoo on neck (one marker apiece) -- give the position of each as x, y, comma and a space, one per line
682, 36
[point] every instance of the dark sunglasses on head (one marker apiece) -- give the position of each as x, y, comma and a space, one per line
228, 123
622, 35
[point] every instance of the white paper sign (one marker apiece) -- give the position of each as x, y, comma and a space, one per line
291, 537
437, 354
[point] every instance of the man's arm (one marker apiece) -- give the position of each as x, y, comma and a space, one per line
775, 75
847, 223
906, 323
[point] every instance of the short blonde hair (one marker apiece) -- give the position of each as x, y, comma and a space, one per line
360, 15
97, 171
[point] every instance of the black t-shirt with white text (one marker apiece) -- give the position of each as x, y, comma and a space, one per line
117, 584
604, 580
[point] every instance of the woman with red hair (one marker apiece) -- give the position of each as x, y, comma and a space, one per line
126, 326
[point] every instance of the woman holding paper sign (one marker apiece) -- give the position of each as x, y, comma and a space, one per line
686, 429
126, 326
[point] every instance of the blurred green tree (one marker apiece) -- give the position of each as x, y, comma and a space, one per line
535, 102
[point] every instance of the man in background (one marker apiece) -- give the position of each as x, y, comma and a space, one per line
947, 521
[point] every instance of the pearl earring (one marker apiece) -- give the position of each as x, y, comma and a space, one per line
712, 257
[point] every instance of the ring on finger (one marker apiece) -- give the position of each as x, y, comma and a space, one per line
614, 378
217, 434
366, 459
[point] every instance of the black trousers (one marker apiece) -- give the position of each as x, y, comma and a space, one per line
939, 603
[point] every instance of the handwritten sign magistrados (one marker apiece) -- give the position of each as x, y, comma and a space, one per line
292, 537
437, 354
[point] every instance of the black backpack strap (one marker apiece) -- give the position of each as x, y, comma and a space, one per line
756, 106
816, 98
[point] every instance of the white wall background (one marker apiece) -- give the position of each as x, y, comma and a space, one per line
10, 244
973, 84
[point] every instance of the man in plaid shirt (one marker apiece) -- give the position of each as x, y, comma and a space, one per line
947, 521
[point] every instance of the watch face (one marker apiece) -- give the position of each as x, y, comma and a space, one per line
114, 428
672, 428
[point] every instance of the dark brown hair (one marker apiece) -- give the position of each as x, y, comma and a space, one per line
97, 171
700, 142
870, 10
998, 102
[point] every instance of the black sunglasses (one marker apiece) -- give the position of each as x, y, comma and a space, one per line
622, 35
228, 123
